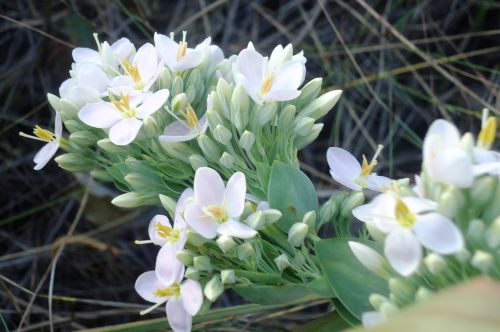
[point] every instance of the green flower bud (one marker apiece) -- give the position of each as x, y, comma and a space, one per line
248, 209
165, 78
101, 175
73, 126
195, 239
376, 300
74, 162
68, 110
422, 294
493, 234
226, 160
482, 261
179, 103
239, 108
214, 119
192, 273
303, 126
224, 92
450, 202
55, 102
271, 216
194, 78
168, 204
227, 276
302, 141
476, 230
322, 105
245, 251
256, 220
209, 148
222, 134
310, 219
328, 211
467, 143
185, 256
106, 145
151, 128
202, 263
246, 140
388, 309
128, 200
213, 289
310, 91
435, 263
355, 199
197, 161
463, 256
266, 112
83, 138
297, 233
286, 118
177, 86
282, 262
482, 190
225, 243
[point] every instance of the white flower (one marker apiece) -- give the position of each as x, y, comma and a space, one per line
180, 131
52, 142
88, 83
124, 116
265, 79
346, 170
216, 208
410, 222
178, 56
184, 299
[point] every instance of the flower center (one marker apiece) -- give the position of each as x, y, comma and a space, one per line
173, 290
123, 106
488, 133
190, 116
367, 168
404, 216
181, 52
266, 84
131, 70
167, 232
43, 134
216, 212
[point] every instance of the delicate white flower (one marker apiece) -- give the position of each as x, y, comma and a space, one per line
52, 139
216, 208
184, 299
124, 116
265, 79
410, 222
346, 170
372, 318
178, 56
180, 131
88, 83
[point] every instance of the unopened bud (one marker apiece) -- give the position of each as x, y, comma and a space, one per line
213, 289
368, 257
225, 243
128, 200
165, 78
168, 203
101, 175
303, 126
493, 234
376, 300
195, 239
106, 145
222, 134
151, 128
476, 230
185, 256
482, 190
467, 143
297, 233
74, 162
309, 219
256, 220
246, 140
209, 148
177, 86
355, 199
463, 256
422, 294
374, 231
271, 216
310, 91
214, 119
239, 108
227, 276
202, 263
322, 105
435, 263
192, 273
482, 261
328, 211
197, 161
245, 251
266, 112
302, 141
388, 309
282, 262
450, 202
286, 118
83, 138
226, 160
179, 103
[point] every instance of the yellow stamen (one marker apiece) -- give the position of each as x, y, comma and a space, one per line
181, 52
173, 290
404, 216
267, 84
488, 133
123, 106
163, 230
216, 212
190, 116
131, 70
43, 134
367, 168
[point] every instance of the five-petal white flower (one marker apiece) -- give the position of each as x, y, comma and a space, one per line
216, 208
124, 116
410, 222
178, 56
346, 170
52, 142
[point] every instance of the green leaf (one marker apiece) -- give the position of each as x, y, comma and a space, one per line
276, 294
330, 322
351, 282
344, 313
471, 306
291, 192
321, 287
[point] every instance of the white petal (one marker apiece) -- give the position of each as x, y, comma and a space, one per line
80, 95
152, 103
344, 168
192, 296
178, 318
45, 154
216, 55
198, 221
453, 167
236, 229
167, 49
93, 76
58, 126
251, 89
181, 207
177, 132
486, 168
380, 211
289, 76
122, 48
146, 285
403, 251
438, 233
448, 134
234, 196
153, 234
372, 318
281, 95
125, 131
190, 60
420, 205
146, 60
168, 268
483, 156
378, 183
250, 65
83, 54
208, 187
99, 115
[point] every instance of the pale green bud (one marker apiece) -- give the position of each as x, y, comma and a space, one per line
83, 138
239, 108
286, 118
355, 199
150, 126
177, 86
185, 256
101, 175
227, 276
213, 289
73, 126
108, 146
310, 91
401, 289
310, 219
222, 134
74, 162
328, 210
467, 143
302, 141
450, 202
463, 256
322, 105
246, 140
303, 126
422, 294
297, 233
68, 110
476, 229
226, 160
55, 102
224, 92
168, 203
128, 200
202, 263
374, 231
376, 300
195, 239
245, 251
209, 148
482, 261
194, 78
435, 263
165, 78
225, 243
192, 273
482, 190
256, 220
179, 103
266, 112
271, 216
248, 209
282, 262
214, 119
197, 161
388, 309
493, 234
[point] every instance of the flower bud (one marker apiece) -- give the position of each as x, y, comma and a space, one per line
227, 276
101, 175
322, 105
165, 78
226, 160
128, 200
422, 294
83, 138
248, 209
388, 309
222, 134
355, 199
74, 162
150, 126
309, 219
302, 141
179, 103
213, 289
328, 211
245, 251
368, 257
476, 230
286, 118
73, 126
168, 204
297, 233
463, 256
482, 190
266, 112
493, 234
376, 300
192, 273
482, 261
55, 102
374, 231
467, 143
225, 243
68, 110
195, 239
224, 92
177, 86
106, 145
239, 108
450, 202
303, 126
435, 263
197, 161
185, 256
256, 220
202, 263
209, 148
282, 262
214, 119
310, 91
271, 216
246, 140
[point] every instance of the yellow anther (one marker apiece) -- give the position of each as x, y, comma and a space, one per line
216, 212
181, 52
163, 230
43, 134
488, 132
267, 84
131, 70
366, 168
404, 216
123, 106
190, 116
173, 290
